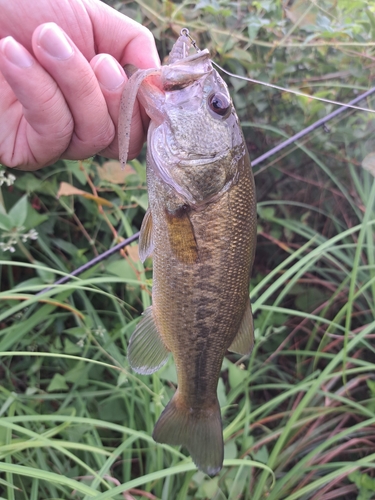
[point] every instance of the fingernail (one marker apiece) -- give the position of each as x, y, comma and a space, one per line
15, 53
108, 72
53, 40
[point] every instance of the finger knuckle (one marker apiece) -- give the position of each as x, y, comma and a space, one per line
104, 136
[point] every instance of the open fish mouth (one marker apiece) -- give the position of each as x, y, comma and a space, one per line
184, 72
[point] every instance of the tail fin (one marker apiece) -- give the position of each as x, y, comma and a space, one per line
199, 430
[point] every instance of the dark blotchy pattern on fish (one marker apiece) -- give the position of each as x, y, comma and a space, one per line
199, 307
201, 228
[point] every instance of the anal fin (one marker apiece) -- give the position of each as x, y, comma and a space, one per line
147, 351
146, 244
243, 342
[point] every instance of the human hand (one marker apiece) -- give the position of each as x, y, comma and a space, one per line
60, 86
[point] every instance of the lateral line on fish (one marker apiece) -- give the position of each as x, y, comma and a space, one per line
290, 91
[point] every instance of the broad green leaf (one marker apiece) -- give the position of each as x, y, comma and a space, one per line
6, 223
33, 218
57, 383
78, 170
18, 212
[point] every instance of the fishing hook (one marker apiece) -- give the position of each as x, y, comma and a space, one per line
185, 32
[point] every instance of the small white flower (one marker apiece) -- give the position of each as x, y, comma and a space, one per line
8, 246
7, 179
100, 331
81, 342
10, 239
33, 235
11, 179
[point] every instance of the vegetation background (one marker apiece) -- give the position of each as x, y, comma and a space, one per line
299, 415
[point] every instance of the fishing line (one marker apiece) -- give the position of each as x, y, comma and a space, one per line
91, 263
185, 32
271, 152
295, 92
310, 128
255, 162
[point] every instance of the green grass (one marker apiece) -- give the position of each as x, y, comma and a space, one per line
299, 414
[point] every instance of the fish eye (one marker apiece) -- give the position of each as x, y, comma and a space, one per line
219, 103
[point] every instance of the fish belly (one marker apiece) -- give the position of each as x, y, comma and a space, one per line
198, 304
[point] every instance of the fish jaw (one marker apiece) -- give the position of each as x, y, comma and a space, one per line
185, 72
181, 48
156, 84
178, 99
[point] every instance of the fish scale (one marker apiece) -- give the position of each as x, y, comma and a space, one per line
201, 229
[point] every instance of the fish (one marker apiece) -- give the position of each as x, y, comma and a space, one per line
200, 228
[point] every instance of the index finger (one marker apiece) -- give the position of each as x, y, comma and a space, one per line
126, 40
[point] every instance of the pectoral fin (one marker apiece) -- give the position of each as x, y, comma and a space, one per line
181, 236
243, 342
147, 351
146, 244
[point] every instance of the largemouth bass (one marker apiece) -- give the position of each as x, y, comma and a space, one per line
201, 229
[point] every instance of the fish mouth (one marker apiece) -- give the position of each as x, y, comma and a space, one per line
184, 72
202, 54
